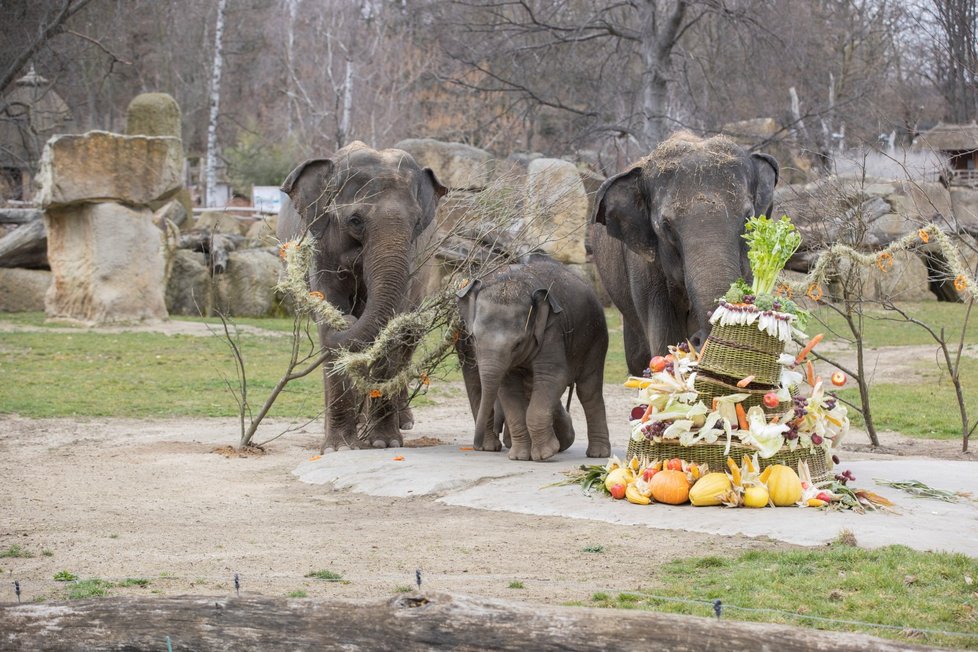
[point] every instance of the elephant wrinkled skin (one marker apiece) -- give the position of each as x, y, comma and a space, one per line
369, 214
666, 237
533, 330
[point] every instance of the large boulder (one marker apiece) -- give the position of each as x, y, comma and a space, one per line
455, 164
102, 166
247, 289
188, 290
153, 114
22, 290
557, 208
220, 222
172, 211
107, 264
262, 232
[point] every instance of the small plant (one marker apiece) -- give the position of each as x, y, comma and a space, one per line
65, 576
402, 588
516, 585
327, 575
594, 549
47, 553
134, 581
16, 551
298, 593
600, 597
113, 536
846, 537
94, 588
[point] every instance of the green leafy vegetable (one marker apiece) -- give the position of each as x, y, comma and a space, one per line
770, 244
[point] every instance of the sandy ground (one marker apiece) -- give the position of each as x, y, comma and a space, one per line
123, 498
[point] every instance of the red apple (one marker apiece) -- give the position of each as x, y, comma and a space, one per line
838, 379
638, 411
657, 364
648, 473
618, 491
771, 400
675, 464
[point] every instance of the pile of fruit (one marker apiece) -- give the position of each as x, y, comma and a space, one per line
677, 482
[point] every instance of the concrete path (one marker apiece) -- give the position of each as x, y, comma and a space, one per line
491, 481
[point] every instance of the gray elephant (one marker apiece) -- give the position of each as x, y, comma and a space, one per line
370, 215
666, 237
534, 330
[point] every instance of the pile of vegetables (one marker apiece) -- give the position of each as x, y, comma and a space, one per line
677, 482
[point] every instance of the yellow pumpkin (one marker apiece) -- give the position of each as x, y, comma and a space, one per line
783, 484
709, 489
756, 496
617, 476
670, 487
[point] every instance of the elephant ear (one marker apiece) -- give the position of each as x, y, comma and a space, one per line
466, 296
622, 207
429, 193
308, 189
766, 172
544, 304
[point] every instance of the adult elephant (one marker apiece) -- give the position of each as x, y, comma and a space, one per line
666, 237
370, 215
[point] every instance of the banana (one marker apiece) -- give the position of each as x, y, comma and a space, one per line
633, 496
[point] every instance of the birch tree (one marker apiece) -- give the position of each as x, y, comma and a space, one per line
211, 199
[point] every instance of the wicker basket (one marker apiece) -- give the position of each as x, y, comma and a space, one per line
710, 387
741, 350
713, 455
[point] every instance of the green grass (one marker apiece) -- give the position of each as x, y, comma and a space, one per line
17, 552
94, 588
594, 549
922, 409
880, 329
516, 585
65, 576
888, 586
134, 581
402, 588
327, 575
298, 593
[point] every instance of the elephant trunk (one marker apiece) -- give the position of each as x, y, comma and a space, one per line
707, 283
386, 276
491, 378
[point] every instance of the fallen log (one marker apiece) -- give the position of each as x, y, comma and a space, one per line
19, 215
25, 246
429, 622
217, 246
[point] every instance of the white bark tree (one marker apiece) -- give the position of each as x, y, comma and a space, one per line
210, 172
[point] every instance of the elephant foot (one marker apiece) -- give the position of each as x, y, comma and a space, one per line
405, 419
384, 434
490, 445
338, 443
545, 450
520, 451
599, 448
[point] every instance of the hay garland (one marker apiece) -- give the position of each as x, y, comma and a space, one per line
829, 259
403, 330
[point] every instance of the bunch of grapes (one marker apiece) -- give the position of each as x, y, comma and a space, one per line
749, 298
776, 305
669, 368
683, 346
791, 433
654, 429
799, 403
845, 476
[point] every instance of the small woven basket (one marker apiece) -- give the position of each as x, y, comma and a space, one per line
713, 455
741, 350
710, 388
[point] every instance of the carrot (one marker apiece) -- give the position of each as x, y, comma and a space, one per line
744, 382
648, 413
716, 401
810, 368
742, 417
808, 348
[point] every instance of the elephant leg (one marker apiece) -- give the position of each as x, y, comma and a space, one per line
383, 429
590, 391
405, 415
342, 403
563, 427
547, 391
637, 352
514, 404
499, 425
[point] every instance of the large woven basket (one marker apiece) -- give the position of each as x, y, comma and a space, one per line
741, 350
710, 387
713, 455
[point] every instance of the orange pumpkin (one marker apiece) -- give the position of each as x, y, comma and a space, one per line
670, 487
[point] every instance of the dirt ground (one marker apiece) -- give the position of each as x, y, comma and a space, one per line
123, 498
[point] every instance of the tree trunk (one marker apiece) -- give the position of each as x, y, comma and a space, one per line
343, 137
25, 246
211, 163
429, 622
658, 36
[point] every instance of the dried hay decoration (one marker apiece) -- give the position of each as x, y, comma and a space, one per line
685, 149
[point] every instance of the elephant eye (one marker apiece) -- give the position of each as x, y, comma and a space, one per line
355, 221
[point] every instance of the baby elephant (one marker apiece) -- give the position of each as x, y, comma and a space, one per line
533, 330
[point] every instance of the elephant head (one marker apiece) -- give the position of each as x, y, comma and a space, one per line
507, 319
683, 209
365, 211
